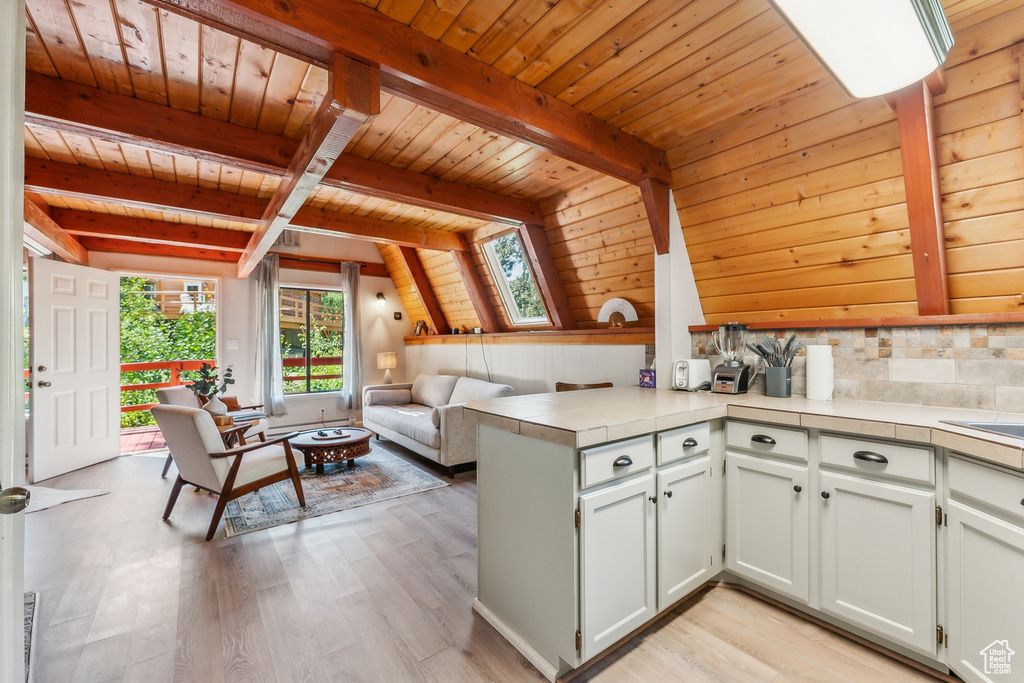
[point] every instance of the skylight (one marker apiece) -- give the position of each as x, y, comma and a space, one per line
512, 276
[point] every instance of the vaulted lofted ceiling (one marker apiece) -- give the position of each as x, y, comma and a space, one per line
167, 127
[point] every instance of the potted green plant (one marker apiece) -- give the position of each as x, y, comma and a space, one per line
208, 384
778, 362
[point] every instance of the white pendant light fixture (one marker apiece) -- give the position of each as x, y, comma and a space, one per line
872, 47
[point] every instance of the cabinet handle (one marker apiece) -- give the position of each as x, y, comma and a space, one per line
798, 488
762, 438
826, 495
868, 456
690, 442
653, 499
668, 494
622, 461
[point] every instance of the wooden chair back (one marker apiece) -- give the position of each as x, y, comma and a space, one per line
566, 386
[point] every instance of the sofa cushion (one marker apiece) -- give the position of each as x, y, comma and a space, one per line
469, 389
388, 397
433, 390
413, 420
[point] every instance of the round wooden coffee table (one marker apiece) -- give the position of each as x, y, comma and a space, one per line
319, 451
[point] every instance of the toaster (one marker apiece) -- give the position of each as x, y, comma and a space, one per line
692, 375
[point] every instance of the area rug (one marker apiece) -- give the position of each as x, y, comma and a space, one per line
44, 498
30, 615
378, 476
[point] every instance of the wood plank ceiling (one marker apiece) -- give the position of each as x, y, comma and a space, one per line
789, 193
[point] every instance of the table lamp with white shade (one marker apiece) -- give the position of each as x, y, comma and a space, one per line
387, 362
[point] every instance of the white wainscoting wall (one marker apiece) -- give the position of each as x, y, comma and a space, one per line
530, 368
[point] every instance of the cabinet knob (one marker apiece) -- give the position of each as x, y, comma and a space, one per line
668, 494
622, 461
690, 442
798, 488
826, 495
1022, 501
653, 499
763, 438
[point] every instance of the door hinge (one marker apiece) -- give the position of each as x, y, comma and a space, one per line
938, 634
579, 640
576, 518
723, 468
723, 552
938, 515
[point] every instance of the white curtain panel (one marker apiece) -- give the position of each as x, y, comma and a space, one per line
352, 373
269, 372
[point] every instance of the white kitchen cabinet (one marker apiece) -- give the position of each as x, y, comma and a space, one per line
878, 559
617, 562
767, 513
985, 563
686, 523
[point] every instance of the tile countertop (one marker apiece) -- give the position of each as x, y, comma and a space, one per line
579, 419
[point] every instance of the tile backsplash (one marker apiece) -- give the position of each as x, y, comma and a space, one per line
969, 366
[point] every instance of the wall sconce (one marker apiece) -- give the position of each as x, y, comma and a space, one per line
387, 361
872, 47
381, 300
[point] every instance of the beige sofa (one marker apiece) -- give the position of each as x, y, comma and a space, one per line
427, 417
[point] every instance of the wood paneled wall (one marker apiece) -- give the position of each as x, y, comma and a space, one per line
797, 211
403, 284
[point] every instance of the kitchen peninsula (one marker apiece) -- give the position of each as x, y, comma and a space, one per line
600, 510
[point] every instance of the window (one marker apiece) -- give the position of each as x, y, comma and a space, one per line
504, 256
312, 339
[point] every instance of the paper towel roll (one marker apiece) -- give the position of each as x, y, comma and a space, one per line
820, 372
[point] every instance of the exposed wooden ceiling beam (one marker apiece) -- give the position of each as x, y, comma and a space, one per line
549, 282
48, 233
311, 219
70, 107
375, 179
353, 98
366, 268
431, 73
655, 196
916, 119
153, 249
145, 230
69, 180
424, 289
475, 288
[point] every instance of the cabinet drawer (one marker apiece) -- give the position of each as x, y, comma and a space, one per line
614, 460
910, 463
683, 442
989, 487
763, 438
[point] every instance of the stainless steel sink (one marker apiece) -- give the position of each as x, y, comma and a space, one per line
1014, 429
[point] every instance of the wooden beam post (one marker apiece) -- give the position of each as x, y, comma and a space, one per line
311, 219
426, 293
916, 119
353, 98
117, 246
549, 282
477, 294
49, 234
655, 196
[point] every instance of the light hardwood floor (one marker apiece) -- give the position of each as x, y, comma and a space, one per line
378, 593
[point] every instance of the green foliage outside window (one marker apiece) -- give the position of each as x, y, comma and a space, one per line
147, 335
327, 340
517, 274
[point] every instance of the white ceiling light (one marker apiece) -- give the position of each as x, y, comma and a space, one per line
872, 47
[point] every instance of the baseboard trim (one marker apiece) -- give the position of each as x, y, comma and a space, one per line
537, 659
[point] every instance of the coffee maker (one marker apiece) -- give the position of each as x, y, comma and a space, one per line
733, 375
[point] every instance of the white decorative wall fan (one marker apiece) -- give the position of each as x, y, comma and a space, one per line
617, 312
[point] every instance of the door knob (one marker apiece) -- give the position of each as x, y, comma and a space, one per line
42, 368
44, 384
14, 500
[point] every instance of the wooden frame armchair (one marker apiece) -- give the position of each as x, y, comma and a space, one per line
205, 462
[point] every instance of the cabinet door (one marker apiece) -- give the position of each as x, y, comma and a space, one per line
766, 523
986, 621
617, 562
684, 529
878, 558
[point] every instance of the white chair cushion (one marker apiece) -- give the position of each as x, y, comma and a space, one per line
256, 464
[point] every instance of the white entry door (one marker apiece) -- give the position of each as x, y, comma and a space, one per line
75, 404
